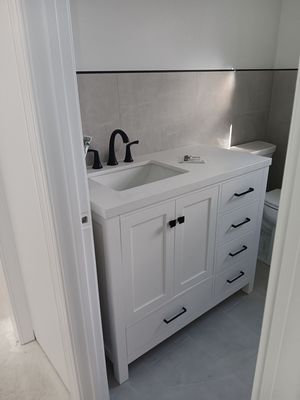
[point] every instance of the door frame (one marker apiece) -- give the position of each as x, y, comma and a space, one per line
276, 343
48, 89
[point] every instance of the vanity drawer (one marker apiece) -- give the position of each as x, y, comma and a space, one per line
240, 191
235, 251
164, 322
231, 280
237, 223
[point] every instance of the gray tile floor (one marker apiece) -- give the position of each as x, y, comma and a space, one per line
213, 358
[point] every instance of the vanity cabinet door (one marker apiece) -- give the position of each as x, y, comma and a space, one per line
148, 258
195, 238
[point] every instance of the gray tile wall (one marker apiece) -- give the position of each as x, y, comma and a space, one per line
284, 83
167, 110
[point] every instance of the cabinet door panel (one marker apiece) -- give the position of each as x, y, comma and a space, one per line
195, 238
148, 256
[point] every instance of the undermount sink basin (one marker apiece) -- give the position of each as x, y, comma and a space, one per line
138, 175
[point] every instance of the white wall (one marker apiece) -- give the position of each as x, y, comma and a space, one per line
288, 50
175, 34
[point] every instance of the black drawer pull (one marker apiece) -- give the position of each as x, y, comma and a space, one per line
242, 223
172, 223
235, 279
243, 194
181, 220
183, 311
238, 252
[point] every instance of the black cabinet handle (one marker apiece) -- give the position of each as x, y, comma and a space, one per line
172, 223
181, 220
183, 311
242, 273
238, 252
243, 194
242, 223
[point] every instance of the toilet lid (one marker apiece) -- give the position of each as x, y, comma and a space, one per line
257, 147
272, 198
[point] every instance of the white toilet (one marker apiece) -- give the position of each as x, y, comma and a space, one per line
271, 201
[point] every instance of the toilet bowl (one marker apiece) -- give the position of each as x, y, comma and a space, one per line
271, 205
268, 226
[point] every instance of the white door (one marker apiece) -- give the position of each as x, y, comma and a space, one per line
148, 257
27, 221
47, 191
195, 238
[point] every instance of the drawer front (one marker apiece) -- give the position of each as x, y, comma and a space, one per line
237, 223
234, 252
229, 281
240, 191
164, 322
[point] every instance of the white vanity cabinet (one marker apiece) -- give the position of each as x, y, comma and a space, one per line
163, 265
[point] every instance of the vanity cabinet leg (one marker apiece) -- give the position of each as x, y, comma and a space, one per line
249, 288
121, 371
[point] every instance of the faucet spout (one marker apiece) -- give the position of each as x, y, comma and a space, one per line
112, 160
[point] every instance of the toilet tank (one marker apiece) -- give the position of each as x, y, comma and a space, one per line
259, 148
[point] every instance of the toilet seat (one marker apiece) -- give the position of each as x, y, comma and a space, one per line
272, 198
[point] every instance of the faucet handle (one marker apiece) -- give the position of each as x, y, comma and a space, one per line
97, 163
128, 156
86, 143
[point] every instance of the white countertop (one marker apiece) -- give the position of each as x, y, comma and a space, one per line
220, 164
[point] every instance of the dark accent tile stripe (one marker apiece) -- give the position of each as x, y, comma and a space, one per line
186, 70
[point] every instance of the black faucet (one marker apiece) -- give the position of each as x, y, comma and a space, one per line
112, 155
128, 156
97, 162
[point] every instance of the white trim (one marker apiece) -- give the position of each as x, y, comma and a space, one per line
284, 266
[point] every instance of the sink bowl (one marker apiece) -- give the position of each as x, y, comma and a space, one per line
137, 175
